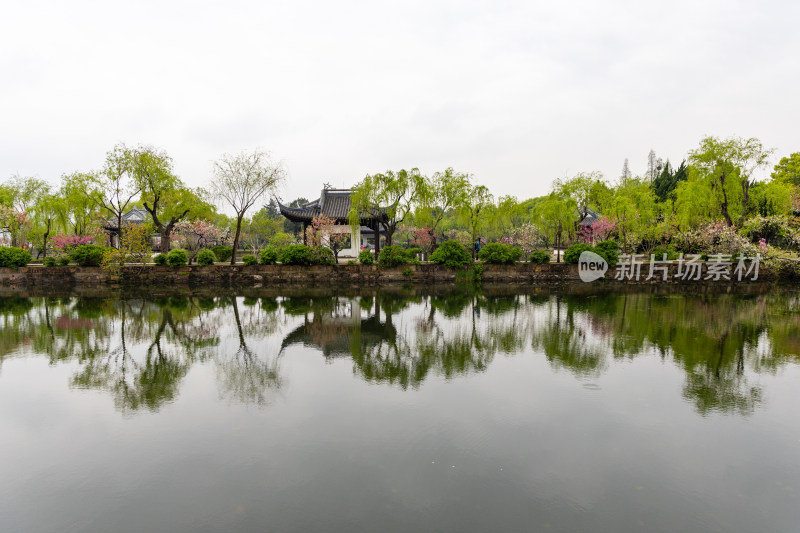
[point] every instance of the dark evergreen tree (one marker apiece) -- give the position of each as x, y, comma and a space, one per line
295, 228
666, 182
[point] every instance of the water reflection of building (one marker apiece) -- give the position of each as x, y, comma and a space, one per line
351, 325
140, 350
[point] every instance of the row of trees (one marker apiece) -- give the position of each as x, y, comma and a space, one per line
90, 206
717, 181
720, 181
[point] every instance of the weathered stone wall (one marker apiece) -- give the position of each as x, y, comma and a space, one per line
341, 275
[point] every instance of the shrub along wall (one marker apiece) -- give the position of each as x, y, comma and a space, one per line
267, 275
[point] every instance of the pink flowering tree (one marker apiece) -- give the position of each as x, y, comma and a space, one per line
423, 239
599, 231
63, 243
324, 231
526, 237
198, 234
16, 223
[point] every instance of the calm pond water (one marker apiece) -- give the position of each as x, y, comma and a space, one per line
401, 411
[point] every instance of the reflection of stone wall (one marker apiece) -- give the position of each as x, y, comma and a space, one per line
268, 275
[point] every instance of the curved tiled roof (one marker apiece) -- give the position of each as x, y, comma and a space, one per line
332, 203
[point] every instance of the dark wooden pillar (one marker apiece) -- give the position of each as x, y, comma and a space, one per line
305, 225
377, 230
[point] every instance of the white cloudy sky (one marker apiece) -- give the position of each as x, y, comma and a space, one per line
518, 93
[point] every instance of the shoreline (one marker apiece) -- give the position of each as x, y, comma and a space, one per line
258, 276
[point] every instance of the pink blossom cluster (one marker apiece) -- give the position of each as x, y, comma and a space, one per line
599, 231
198, 234
526, 237
64, 242
422, 238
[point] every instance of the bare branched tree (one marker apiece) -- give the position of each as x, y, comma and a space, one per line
241, 179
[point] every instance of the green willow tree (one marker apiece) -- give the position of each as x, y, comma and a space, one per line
26, 191
587, 190
164, 196
633, 206
508, 215
445, 192
472, 210
555, 218
727, 168
78, 206
396, 193
48, 211
113, 189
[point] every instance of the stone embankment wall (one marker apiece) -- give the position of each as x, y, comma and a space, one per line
341, 275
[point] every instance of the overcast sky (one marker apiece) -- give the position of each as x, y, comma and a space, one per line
517, 93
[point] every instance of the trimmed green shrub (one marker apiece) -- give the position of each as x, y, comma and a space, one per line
539, 256
659, 252
573, 253
413, 252
62, 261
497, 253
87, 255
392, 256
49, 261
608, 250
160, 259
223, 253
249, 259
13, 257
177, 257
366, 257
269, 255
206, 257
295, 254
451, 254
322, 255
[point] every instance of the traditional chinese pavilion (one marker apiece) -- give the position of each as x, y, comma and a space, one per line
335, 204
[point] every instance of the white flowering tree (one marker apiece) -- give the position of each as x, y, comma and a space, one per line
198, 234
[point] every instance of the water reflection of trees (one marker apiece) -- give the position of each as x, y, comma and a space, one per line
719, 341
140, 350
247, 374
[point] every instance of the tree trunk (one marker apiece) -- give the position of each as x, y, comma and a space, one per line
236, 238
377, 230
724, 204
389, 232
44, 240
745, 201
119, 229
558, 244
165, 240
